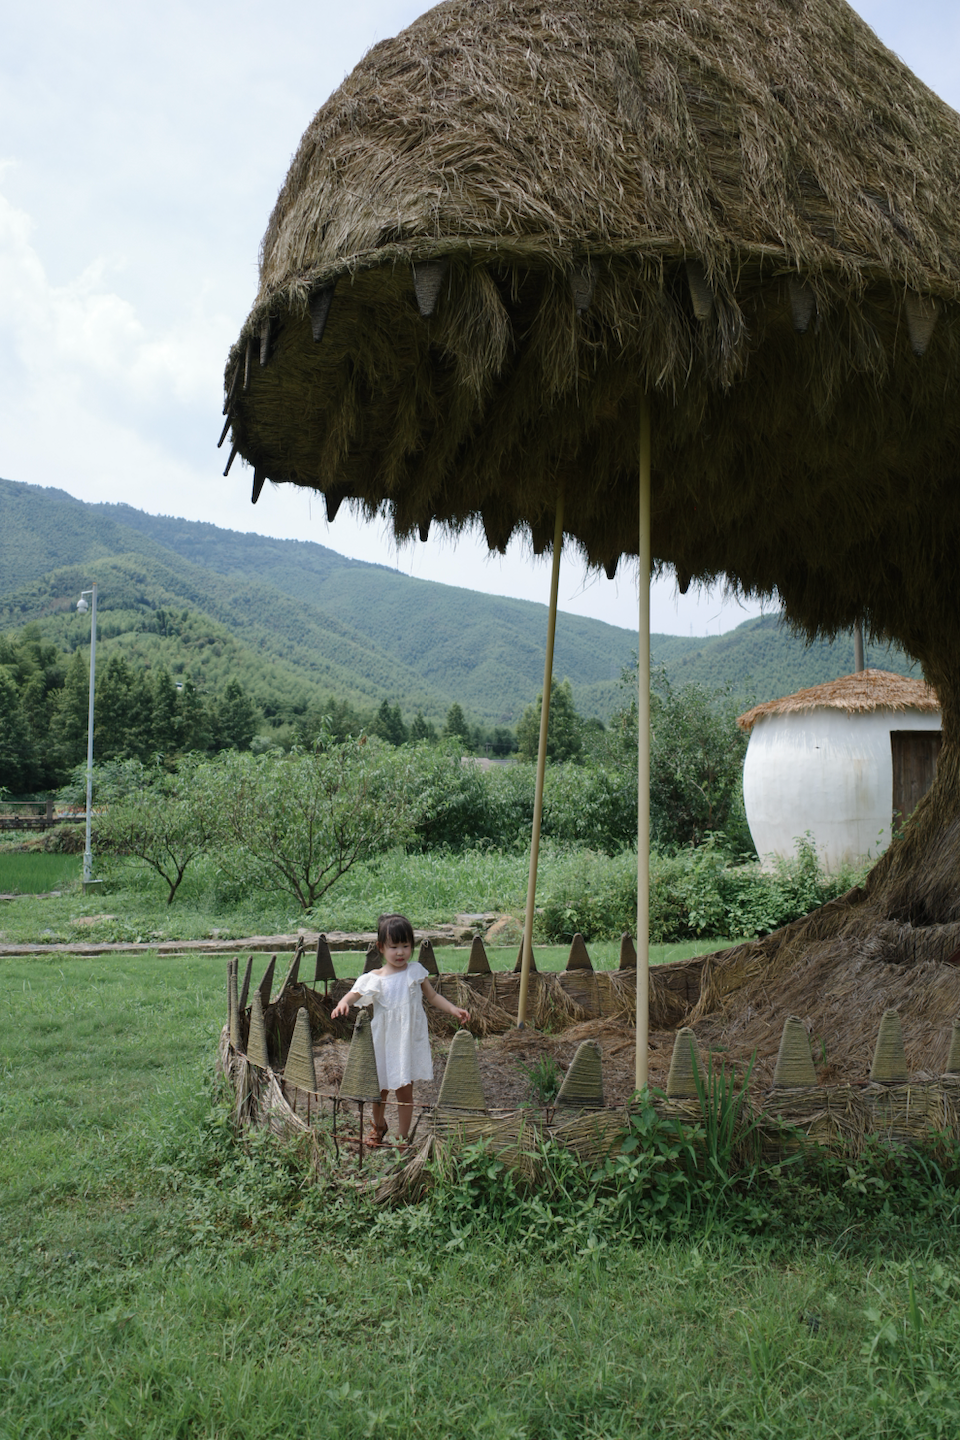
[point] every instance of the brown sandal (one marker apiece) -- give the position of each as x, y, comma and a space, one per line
378, 1135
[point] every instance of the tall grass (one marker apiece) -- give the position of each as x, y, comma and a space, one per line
33, 873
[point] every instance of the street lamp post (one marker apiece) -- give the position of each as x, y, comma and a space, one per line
83, 607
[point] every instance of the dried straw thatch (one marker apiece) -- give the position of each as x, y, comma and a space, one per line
744, 208
855, 694
516, 220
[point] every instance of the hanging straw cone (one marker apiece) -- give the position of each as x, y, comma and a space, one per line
427, 958
578, 959
428, 279
685, 1066
266, 984
257, 1040
794, 1062
519, 965
889, 1058
583, 1083
478, 963
233, 1004
324, 967
360, 1080
953, 1059
461, 1087
374, 959
246, 984
628, 952
300, 1069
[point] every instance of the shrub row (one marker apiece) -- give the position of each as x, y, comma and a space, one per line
696, 892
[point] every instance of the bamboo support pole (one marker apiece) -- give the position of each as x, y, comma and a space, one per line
541, 770
643, 757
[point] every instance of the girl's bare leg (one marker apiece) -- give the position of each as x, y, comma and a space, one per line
379, 1113
405, 1108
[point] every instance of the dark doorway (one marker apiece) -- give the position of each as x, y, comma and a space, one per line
914, 754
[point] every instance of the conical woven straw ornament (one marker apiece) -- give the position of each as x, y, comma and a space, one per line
257, 1039
293, 974
360, 1080
794, 1062
578, 959
519, 965
300, 1069
583, 1083
323, 969
889, 1058
953, 1059
461, 1087
266, 984
427, 958
685, 1066
233, 1004
628, 952
478, 964
374, 959
244, 993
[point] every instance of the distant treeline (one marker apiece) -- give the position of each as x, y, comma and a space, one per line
142, 711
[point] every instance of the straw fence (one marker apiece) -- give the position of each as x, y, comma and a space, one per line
269, 1053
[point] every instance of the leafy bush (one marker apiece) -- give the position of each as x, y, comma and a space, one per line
695, 892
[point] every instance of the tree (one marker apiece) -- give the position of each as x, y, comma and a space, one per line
564, 730
166, 820
298, 822
235, 719
421, 729
389, 724
16, 744
196, 722
165, 718
455, 726
696, 759
68, 723
122, 710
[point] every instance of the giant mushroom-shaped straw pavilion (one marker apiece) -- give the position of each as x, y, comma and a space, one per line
534, 252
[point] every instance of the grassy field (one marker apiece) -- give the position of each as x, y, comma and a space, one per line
431, 888
158, 1279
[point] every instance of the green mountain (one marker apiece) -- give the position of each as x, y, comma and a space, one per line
296, 622
763, 659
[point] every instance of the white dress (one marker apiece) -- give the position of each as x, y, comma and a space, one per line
399, 1026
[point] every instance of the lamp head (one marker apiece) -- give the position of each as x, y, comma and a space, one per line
82, 605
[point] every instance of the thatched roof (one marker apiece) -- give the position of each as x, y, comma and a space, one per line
865, 690
745, 208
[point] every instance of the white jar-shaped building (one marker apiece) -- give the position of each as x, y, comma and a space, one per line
845, 762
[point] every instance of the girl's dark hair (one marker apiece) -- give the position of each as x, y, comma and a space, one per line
395, 928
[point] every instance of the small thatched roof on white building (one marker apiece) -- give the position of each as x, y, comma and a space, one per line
865, 690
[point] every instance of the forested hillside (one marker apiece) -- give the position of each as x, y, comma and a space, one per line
305, 621
297, 625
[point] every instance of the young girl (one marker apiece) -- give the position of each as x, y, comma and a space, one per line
400, 1041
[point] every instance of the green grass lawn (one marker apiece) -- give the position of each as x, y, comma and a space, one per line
157, 1279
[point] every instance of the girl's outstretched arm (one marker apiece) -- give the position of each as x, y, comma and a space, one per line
441, 1003
343, 1005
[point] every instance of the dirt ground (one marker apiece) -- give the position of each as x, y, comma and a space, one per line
504, 1060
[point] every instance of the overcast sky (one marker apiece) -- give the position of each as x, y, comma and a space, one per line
141, 150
